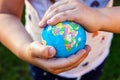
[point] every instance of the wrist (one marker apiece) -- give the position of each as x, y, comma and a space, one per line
91, 19
104, 19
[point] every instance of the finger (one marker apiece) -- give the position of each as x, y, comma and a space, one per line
63, 16
79, 56
66, 62
59, 9
56, 64
87, 48
41, 51
42, 23
72, 66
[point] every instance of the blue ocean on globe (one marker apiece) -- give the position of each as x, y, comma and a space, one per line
66, 37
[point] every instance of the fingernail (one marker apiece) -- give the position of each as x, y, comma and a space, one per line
50, 21
88, 48
51, 52
41, 24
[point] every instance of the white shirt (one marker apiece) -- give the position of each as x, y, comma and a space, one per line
99, 41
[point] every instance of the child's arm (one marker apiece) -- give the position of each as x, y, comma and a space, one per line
112, 19
14, 36
106, 19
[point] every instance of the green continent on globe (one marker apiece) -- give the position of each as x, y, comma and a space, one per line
68, 32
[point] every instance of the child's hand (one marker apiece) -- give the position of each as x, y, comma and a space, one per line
72, 10
40, 56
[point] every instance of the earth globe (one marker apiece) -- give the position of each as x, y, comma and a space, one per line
66, 37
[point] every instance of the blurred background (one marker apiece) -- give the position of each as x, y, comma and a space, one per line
12, 68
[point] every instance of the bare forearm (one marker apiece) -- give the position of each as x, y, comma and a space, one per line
112, 23
13, 34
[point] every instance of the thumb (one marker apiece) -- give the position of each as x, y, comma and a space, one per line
42, 51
